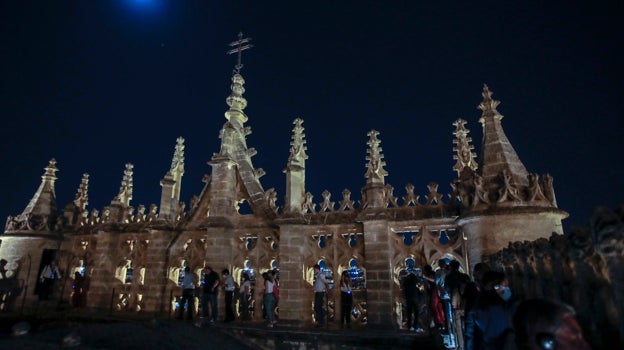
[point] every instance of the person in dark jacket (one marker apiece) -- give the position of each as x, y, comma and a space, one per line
490, 326
471, 294
211, 284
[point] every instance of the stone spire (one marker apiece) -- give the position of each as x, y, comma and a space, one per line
295, 170
463, 148
499, 156
40, 213
172, 182
236, 101
375, 173
77, 209
125, 190
234, 180
82, 194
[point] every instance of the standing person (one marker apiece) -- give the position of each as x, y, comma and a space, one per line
440, 297
211, 292
455, 283
269, 300
78, 287
429, 277
320, 289
491, 327
410, 291
188, 294
471, 294
346, 299
541, 324
422, 302
228, 281
47, 277
245, 296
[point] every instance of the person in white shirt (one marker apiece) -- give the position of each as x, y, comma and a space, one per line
320, 289
47, 277
269, 299
188, 294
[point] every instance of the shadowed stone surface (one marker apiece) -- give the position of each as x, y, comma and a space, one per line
109, 333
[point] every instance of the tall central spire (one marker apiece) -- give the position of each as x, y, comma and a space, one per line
234, 179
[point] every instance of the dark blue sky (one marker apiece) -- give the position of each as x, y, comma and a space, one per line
98, 84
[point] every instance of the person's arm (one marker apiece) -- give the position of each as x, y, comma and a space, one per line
43, 273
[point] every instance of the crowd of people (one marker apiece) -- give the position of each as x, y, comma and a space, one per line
467, 313
477, 312
480, 313
210, 283
206, 289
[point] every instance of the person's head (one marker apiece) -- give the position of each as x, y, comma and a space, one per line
345, 275
265, 275
187, 269
317, 268
207, 269
225, 272
442, 263
77, 275
497, 282
479, 270
541, 324
454, 265
3, 262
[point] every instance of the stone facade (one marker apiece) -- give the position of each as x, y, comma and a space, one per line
132, 257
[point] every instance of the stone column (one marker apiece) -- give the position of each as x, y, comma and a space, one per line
295, 294
379, 280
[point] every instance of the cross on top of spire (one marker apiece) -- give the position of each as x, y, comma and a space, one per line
239, 45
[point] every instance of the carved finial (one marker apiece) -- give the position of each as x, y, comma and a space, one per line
82, 194
125, 190
51, 169
298, 144
236, 101
375, 167
488, 105
239, 45
463, 149
178, 154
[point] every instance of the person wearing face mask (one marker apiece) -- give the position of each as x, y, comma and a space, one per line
491, 327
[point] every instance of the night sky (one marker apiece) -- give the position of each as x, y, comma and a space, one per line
98, 84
